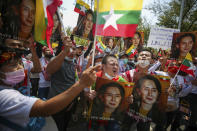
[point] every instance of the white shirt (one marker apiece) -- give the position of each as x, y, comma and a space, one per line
188, 87
15, 107
42, 82
28, 65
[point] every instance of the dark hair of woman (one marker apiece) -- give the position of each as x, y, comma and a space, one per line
99, 102
140, 46
176, 51
137, 98
80, 29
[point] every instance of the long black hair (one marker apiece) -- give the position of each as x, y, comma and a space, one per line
176, 51
140, 46
81, 26
137, 97
100, 93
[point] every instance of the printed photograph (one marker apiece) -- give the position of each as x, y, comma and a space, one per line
109, 103
183, 43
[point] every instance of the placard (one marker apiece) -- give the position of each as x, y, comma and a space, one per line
161, 37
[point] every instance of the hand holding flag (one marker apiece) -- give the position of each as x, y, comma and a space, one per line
187, 66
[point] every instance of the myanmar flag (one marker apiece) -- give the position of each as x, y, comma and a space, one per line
45, 9
100, 46
81, 7
118, 17
131, 52
187, 65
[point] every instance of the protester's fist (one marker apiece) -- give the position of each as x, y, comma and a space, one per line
163, 58
88, 77
90, 94
171, 91
67, 42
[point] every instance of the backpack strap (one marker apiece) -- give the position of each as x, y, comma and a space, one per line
11, 125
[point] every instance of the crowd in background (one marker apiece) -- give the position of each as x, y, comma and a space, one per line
61, 81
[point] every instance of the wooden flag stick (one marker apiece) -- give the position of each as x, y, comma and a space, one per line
95, 33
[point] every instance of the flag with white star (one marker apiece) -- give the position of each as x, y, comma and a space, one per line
81, 7
187, 66
118, 17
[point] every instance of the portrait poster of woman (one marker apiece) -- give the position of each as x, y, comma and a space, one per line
150, 99
137, 40
18, 18
183, 43
84, 26
110, 102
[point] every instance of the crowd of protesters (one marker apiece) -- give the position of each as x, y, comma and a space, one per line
62, 79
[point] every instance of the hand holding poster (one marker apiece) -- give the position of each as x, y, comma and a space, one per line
161, 37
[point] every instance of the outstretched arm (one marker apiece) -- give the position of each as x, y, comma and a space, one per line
59, 102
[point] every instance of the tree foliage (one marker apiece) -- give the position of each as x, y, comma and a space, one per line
168, 14
144, 26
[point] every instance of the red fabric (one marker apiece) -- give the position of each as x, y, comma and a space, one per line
79, 11
124, 30
128, 76
99, 74
51, 9
25, 80
185, 69
133, 54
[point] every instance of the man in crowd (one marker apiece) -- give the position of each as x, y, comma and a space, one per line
44, 82
144, 61
110, 70
62, 69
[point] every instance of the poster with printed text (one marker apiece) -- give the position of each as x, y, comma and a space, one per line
161, 37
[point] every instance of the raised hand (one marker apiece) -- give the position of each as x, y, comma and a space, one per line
88, 77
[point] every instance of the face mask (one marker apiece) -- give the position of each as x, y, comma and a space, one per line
13, 78
108, 50
143, 63
98, 63
108, 76
125, 61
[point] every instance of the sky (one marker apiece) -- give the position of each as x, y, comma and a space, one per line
70, 17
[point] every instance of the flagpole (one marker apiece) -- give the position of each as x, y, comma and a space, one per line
61, 22
181, 14
95, 33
